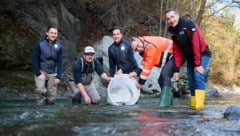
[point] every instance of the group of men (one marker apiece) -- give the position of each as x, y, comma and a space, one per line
187, 44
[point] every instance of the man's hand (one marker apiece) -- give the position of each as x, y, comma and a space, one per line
119, 72
42, 76
199, 69
84, 94
138, 85
176, 76
57, 81
87, 100
110, 78
132, 74
105, 77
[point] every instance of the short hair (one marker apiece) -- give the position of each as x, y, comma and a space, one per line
134, 38
49, 27
116, 27
171, 9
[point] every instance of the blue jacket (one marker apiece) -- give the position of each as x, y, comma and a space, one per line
121, 57
47, 57
85, 75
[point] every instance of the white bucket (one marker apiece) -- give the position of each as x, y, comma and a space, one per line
122, 91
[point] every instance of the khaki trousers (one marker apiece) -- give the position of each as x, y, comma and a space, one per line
90, 89
46, 90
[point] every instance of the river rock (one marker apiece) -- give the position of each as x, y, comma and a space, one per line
232, 113
211, 92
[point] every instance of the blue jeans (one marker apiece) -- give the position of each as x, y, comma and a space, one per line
196, 80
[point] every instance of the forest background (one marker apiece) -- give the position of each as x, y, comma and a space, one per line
94, 18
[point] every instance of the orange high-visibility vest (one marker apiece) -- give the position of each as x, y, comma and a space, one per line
153, 55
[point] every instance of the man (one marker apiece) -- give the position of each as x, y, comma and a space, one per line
188, 42
155, 51
121, 58
47, 61
83, 71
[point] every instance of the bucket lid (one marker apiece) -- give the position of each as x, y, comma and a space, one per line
122, 91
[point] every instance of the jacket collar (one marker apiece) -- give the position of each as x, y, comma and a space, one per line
48, 40
177, 27
118, 43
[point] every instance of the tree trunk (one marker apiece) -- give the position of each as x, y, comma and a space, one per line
192, 9
200, 12
165, 30
160, 18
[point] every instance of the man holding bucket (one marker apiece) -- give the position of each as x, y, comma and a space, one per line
121, 58
83, 71
155, 51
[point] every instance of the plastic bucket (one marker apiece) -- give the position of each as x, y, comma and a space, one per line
122, 91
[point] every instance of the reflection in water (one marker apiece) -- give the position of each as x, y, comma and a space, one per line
23, 117
153, 125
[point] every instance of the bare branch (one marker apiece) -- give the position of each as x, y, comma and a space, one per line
214, 13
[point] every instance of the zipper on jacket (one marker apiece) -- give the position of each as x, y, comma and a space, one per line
87, 73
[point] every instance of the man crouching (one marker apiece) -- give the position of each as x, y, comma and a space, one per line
83, 72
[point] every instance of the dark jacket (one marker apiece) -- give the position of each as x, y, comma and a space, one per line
47, 57
188, 42
85, 75
121, 57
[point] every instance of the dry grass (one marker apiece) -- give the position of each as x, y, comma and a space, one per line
225, 46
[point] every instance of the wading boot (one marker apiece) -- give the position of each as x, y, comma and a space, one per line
166, 97
40, 98
76, 99
192, 101
199, 99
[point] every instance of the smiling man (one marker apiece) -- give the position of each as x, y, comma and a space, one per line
189, 43
83, 70
156, 51
121, 58
47, 61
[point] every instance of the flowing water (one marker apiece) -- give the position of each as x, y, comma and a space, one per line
23, 117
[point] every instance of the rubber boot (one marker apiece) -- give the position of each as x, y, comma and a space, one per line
192, 101
76, 99
171, 98
166, 97
199, 99
40, 98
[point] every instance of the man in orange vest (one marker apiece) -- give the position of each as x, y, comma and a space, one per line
155, 51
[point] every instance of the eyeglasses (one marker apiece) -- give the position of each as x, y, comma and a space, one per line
138, 47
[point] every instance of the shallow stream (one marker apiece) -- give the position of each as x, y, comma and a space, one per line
23, 117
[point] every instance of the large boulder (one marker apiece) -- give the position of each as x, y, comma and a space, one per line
26, 21
232, 113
